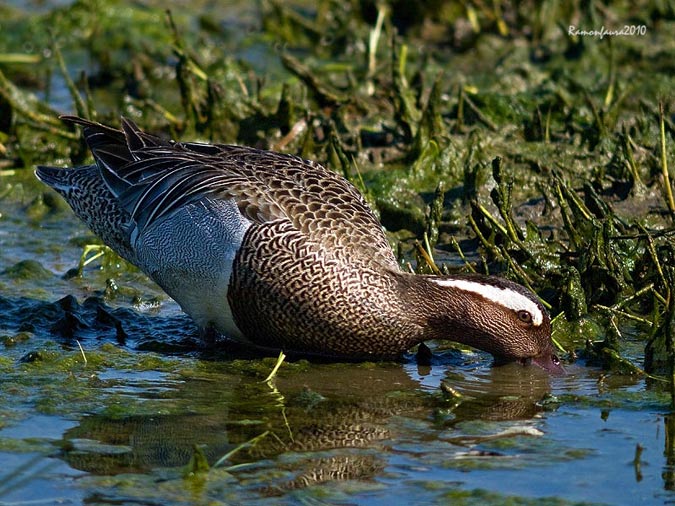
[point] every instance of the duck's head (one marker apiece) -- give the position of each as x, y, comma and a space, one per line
494, 315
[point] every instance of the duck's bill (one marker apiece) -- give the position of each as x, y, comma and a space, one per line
549, 362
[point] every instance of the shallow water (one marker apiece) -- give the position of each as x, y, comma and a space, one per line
123, 426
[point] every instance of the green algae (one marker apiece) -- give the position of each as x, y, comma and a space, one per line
27, 270
536, 155
479, 496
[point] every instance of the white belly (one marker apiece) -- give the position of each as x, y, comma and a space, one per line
190, 255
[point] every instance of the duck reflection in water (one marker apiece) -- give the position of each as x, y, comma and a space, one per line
330, 422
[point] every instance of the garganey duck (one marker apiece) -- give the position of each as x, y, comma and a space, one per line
282, 253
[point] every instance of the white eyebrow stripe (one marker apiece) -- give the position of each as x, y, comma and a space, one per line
505, 296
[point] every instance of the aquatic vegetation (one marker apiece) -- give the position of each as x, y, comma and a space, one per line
487, 136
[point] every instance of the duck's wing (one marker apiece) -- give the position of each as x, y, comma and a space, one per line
153, 177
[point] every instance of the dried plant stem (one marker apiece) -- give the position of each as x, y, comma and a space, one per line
273, 373
80, 104
427, 258
486, 244
98, 249
373, 41
624, 314
493, 221
459, 251
664, 162
247, 444
82, 352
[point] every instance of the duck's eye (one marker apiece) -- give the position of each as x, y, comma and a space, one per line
525, 316
555, 360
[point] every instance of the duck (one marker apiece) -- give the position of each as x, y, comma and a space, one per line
280, 253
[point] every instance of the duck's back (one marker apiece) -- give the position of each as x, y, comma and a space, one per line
152, 178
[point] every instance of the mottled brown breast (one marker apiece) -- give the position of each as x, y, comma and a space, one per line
290, 293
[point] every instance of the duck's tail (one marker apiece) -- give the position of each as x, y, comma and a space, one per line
90, 199
62, 180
